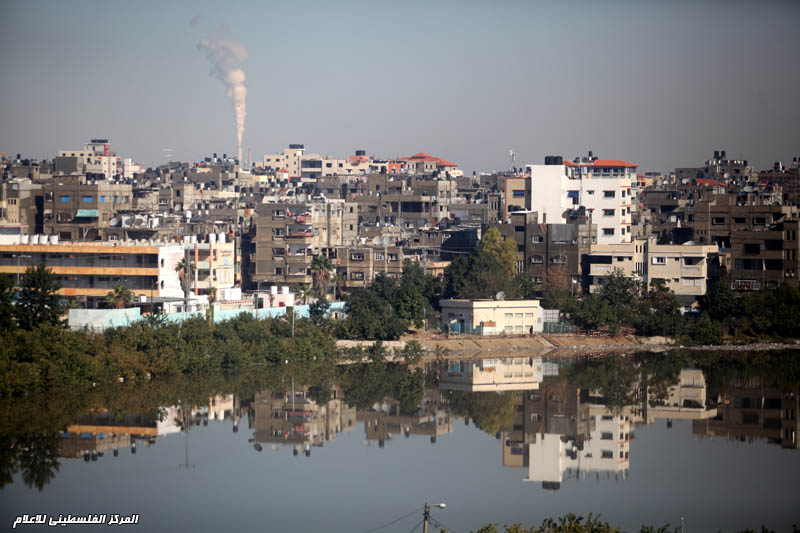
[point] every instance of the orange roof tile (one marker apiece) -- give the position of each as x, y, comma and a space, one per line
609, 163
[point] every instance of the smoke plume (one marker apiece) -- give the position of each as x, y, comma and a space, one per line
225, 56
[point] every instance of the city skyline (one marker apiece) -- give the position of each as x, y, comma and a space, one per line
660, 85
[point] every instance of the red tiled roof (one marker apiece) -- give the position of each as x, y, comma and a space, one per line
422, 156
714, 183
394, 167
609, 163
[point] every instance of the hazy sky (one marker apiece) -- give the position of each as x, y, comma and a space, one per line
662, 84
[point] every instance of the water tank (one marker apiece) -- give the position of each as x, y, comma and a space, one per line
273, 290
221, 238
212, 238
558, 160
285, 290
193, 239
35, 239
25, 239
54, 238
361, 152
548, 160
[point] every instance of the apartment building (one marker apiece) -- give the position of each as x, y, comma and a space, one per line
96, 158
765, 257
297, 163
550, 253
214, 262
289, 235
88, 271
684, 269
601, 186
79, 209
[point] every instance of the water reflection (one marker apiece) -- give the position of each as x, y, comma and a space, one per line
556, 419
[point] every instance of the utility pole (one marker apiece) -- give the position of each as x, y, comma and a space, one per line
425, 517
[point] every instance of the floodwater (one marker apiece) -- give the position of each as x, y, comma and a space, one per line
638, 441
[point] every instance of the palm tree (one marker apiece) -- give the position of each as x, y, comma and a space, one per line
321, 267
120, 297
339, 281
186, 269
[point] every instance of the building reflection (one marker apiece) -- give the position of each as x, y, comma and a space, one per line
385, 421
283, 418
750, 411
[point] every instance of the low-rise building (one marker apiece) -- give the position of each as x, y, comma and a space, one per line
492, 317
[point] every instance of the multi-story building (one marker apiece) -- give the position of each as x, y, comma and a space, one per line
684, 268
288, 236
297, 163
21, 203
96, 159
765, 257
550, 253
213, 262
601, 186
491, 374
77, 208
88, 271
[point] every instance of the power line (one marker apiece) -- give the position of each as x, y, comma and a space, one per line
440, 525
395, 520
418, 524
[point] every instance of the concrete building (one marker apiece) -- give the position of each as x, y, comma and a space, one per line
492, 317
684, 269
214, 262
78, 209
88, 271
601, 186
288, 236
96, 159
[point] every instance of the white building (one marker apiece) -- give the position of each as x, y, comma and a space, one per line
492, 375
601, 186
492, 317
97, 158
297, 163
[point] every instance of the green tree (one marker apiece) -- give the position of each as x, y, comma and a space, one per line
39, 301
504, 250
6, 303
303, 292
120, 297
339, 282
718, 301
186, 270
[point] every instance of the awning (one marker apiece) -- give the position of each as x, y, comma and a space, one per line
88, 213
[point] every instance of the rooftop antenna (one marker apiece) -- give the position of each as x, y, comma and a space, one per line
500, 296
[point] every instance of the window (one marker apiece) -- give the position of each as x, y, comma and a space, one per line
759, 221
518, 315
528, 315
509, 315
392, 257
559, 260
590, 193
537, 279
752, 248
356, 257
607, 454
537, 239
607, 436
279, 271
739, 220
357, 275
519, 193
537, 259
608, 212
65, 198
608, 231
609, 194
659, 260
718, 221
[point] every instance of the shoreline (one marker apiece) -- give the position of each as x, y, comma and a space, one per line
553, 345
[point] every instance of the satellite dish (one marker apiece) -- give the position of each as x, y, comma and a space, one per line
500, 296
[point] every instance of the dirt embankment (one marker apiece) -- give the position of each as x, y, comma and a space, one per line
562, 345
474, 346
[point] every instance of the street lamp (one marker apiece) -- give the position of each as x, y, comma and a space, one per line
18, 257
427, 515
